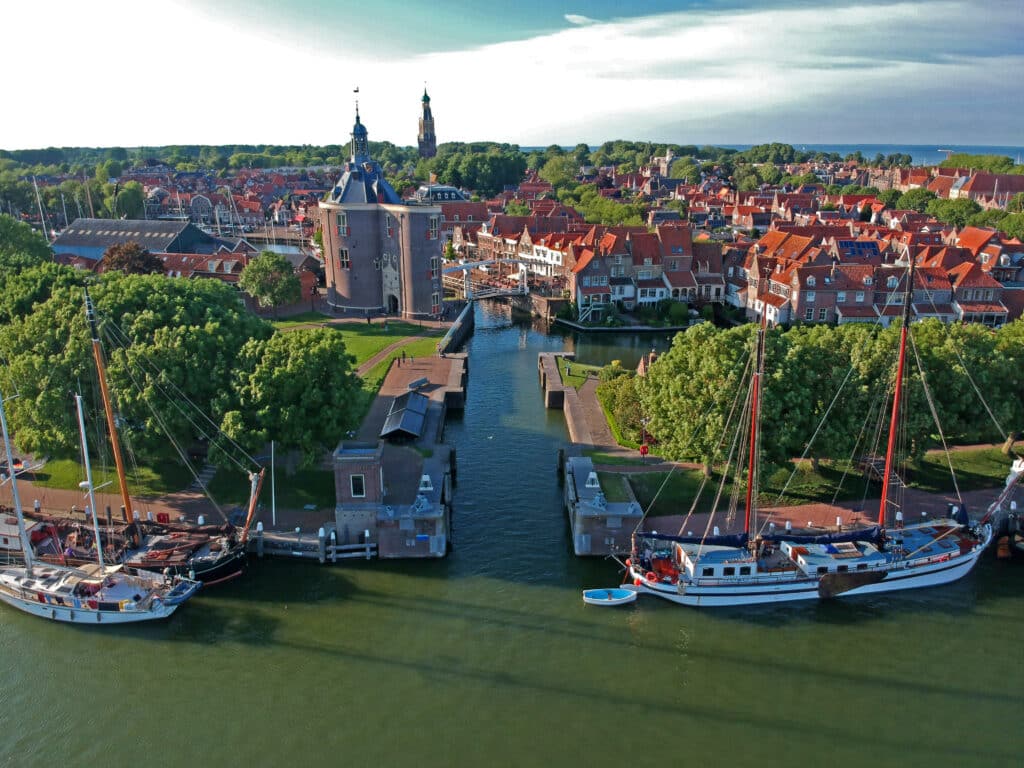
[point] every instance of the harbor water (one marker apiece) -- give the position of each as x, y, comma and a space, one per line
490, 657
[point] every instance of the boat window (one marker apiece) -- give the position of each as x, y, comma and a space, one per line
745, 570
862, 566
729, 571
822, 569
709, 572
843, 568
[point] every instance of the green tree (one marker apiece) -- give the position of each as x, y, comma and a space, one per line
956, 212
271, 280
559, 171
915, 200
688, 393
516, 208
296, 388
132, 259
685, 168
171, 350
19, 239
890, 197
1013, 225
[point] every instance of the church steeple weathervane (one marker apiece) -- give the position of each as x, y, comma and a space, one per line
427, 140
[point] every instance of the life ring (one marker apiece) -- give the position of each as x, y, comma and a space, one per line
651, 576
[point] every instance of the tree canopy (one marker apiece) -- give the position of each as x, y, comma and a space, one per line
270, 279
132, 259
691, 389
298, 388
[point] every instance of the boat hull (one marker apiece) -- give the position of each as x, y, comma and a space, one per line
71, 615
910, 574
608, 597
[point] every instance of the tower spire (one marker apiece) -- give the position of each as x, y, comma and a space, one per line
426, 138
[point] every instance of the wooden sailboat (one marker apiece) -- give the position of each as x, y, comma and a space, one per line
91, 594
755, 567
210, 554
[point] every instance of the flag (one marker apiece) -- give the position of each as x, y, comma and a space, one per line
356, 89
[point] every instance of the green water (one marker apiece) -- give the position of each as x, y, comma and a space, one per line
490, 658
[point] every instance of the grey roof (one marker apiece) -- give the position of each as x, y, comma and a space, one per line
406, 415
364, 184
155, 236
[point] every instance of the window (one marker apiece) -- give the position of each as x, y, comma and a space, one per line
708, 572
809, 314
648, 262
342, 221
841, 297
822, 315
358, 483
809, 297
643, 274
729, 571
389, 225
455, 217
868, 280
435, 223
344, 262
859, 297
618, 258
435, 266
892, 282
811, 281
673, 265
586, 281
744, 570
435, 303
822, 570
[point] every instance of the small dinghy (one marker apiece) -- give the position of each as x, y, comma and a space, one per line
615, 596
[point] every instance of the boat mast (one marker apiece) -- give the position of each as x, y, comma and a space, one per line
897, 393
755, 402
115, 445
255, 484
88, 481
26, 545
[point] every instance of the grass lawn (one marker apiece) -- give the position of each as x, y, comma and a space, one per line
976, 469
613, 486
143, 481
305, 318
579, 373
306, 486
614, 459
365, 341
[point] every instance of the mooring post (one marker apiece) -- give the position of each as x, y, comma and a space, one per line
334, 547
259, 539
366, 538
322, 545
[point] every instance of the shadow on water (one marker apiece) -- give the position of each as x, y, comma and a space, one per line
256, 629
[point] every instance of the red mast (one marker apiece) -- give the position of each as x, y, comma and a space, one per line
755, 402
897, 393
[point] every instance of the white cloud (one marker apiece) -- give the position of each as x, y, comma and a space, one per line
170, 75
575, 18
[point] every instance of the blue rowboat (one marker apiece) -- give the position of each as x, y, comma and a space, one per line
613, 596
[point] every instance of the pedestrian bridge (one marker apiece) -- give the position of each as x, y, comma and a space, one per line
476, 282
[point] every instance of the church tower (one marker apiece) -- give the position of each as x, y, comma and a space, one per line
427, 139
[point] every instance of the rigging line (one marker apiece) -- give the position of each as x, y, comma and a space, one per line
181, 453
160, 378
810, 442
967, 371
935, 417
716, 451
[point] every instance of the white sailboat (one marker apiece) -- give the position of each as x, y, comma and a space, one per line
768, 567
91, 594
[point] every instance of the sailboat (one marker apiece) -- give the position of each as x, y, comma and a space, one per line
210, 554
92, 594
757, 566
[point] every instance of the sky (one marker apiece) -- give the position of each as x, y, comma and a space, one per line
531, 72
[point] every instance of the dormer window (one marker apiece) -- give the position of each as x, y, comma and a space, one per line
868, 280
811, 281
892, 282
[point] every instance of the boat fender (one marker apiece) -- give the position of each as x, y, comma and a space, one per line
651, 576
637, 582
629, 562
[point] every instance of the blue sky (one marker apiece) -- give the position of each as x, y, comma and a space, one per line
531, 72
